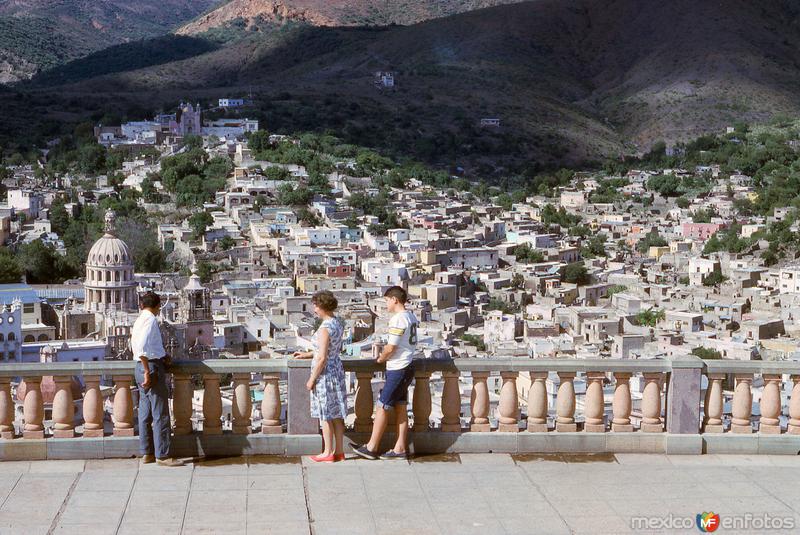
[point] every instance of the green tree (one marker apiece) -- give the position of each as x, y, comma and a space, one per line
518, 281
715, 278
10, 270
59, 218
199, 223
706, 353
650, 317
576, 273
226, 243
258, 141
651, 239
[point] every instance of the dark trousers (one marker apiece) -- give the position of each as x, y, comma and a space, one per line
154, 422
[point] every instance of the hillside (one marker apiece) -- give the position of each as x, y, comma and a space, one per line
332, 12
38, 34
571, 80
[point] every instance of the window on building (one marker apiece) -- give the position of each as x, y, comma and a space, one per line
27, 308
84, 328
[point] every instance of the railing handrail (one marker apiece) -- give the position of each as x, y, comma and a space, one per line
466, 365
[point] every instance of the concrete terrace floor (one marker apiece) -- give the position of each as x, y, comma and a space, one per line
458, 494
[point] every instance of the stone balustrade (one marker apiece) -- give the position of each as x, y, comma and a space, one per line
668, 404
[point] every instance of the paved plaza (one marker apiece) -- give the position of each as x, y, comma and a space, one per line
458, 494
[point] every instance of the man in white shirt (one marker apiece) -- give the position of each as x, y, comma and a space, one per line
398, 355
151, 378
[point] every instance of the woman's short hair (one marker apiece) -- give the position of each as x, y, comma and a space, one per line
325, 300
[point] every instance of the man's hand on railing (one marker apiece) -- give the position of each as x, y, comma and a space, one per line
303, 354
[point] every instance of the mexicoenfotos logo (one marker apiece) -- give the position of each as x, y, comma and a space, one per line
707, 522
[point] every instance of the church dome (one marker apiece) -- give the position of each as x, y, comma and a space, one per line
109, 251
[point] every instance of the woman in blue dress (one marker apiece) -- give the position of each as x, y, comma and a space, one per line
327, 383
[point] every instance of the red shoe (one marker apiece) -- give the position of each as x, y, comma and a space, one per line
323, 458
337, 458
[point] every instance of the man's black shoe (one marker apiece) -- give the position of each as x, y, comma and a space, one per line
363, 451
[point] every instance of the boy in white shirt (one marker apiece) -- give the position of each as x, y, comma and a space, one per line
398, 355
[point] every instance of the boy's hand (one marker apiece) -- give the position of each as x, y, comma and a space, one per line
146, 381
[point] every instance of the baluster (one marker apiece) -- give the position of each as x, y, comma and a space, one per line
713, 404
212, 405
651, 404
182, 403
479, 403
271, 405
771, 405
742, 404
92, 407
242, 405
594, 409
421, 405
565, 403
537, 403
794, 407
621, 423
123, 407
63, 408
33, 409
364, 404
451, 403
508, 408
6, 409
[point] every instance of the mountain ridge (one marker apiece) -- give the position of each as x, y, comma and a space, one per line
333, 12
571, 80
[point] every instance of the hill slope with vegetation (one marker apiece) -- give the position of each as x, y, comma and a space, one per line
572, 81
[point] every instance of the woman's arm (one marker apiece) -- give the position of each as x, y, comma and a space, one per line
324, 339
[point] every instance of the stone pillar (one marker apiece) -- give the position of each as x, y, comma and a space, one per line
212, 405
6, 409
742, 404
565, 403
242, 409
92, 407
421, 405
713, 404
621, 406
451, 403
123, 407
683, 397
651, 404
63, 408
508, 408
794, 407
537, 403
771, 405
271, 405
364, 403
182, 403
33, 409
298, 403
479, 403
594, 408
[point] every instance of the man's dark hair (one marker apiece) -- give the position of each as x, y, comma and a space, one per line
398, 293
150, 300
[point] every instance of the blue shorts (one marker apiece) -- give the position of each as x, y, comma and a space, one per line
395, 390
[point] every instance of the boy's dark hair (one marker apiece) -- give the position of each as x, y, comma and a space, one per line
398, 293
325, 300
150, 300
